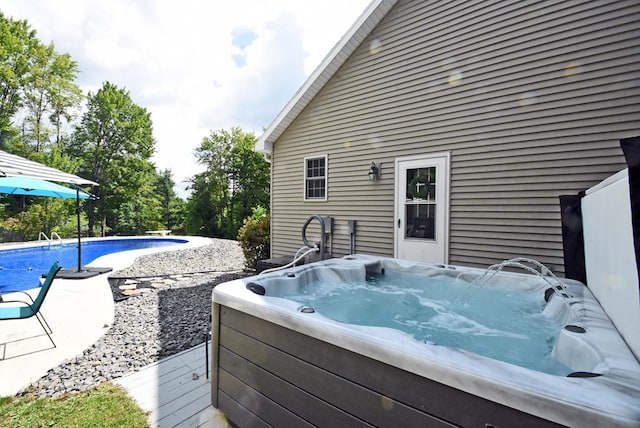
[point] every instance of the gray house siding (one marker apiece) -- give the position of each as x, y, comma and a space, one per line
529, 98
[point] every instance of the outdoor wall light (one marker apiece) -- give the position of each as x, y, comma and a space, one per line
374, 172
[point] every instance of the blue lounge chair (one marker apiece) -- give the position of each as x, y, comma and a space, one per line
27, 309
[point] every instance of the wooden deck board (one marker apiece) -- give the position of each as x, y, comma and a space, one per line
181, 409
207, 418
175, 391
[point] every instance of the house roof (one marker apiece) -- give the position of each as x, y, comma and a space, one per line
359, 31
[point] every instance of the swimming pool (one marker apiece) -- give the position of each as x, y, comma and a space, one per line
21, 268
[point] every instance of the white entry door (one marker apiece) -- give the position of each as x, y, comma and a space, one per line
422, 208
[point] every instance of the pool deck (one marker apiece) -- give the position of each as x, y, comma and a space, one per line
175, 391
79, 313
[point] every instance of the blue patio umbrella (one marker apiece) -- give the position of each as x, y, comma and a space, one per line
16, 166
16, 185
37, 187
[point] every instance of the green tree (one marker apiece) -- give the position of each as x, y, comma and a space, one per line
202, 208
36, 87
142, 212
17, 43
212, 186
173, 207
36, 79
63, 94
236, 180
114, 142
249, 175
35, 100
40, 214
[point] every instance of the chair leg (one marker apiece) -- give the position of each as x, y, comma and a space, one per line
39, 314
48, 332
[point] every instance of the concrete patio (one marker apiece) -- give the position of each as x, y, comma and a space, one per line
79, 313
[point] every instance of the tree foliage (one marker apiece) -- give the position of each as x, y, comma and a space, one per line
114, 142
37, 95
48, 215
173, 208
254, 237
39, 82
236, 179
49, 94
17, 42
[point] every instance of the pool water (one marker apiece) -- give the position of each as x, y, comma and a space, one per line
21, 268
503, 324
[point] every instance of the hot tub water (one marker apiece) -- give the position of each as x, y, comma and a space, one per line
499, 323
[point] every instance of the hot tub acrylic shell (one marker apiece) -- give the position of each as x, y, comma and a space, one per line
276, 365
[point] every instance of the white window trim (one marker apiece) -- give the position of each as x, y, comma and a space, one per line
326, 178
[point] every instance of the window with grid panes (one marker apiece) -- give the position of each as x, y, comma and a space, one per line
315, 178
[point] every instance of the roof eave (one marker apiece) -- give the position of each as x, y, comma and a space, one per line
359, 31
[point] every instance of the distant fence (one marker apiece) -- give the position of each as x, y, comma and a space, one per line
11, 236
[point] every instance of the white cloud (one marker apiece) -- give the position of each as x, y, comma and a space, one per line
180, 62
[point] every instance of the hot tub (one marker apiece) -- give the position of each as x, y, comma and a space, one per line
279, 362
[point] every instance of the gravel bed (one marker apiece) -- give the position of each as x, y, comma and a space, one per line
164, 319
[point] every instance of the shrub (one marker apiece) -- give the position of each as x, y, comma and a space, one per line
49, 216
254, 237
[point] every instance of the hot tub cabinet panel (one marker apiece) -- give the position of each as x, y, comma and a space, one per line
268, 375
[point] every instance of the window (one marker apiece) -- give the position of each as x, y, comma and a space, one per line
421, 200
315, 178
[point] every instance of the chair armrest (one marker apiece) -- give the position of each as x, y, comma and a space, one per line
4, 302
21, 292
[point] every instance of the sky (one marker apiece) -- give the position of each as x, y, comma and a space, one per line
197, 66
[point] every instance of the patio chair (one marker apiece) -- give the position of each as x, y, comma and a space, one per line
22, 309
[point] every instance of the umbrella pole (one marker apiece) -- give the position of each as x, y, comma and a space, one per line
78, 218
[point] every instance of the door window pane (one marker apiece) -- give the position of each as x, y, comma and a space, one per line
421, 184
420, 203
420, 220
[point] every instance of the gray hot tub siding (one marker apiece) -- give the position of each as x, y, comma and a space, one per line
268, 375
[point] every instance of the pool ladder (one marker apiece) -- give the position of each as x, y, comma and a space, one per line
54, 235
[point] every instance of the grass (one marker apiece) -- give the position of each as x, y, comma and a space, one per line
106, 405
